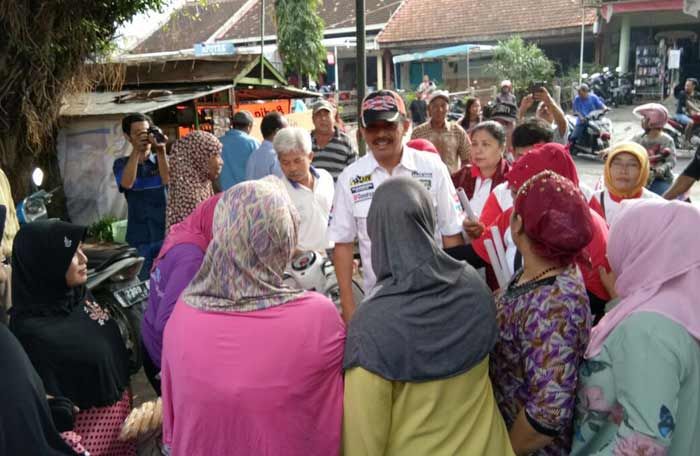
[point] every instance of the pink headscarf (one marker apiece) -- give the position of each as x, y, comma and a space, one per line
195, 229
653, 249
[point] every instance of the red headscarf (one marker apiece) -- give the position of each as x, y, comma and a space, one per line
556, 217
195, 229
422, 145
550, 156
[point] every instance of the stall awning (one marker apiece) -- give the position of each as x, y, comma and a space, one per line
143, 101
462, 50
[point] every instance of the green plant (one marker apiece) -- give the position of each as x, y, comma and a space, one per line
101, 231
521, 63
300, 36
45, 51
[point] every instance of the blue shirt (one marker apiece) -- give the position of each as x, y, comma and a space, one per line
238, 146
590, 104
263, 162
146, 201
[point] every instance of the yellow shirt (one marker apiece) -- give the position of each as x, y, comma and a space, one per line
11, 223
454, 416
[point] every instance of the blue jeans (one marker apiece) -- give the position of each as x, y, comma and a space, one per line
659, 186
683, 119
578, 131
149, 252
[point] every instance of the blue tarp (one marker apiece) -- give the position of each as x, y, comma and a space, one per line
462, 49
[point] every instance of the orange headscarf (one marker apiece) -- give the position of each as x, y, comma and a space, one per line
641, 155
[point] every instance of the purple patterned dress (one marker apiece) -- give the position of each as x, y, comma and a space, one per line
544, 328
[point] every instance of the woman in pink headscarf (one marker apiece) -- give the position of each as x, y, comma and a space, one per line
177, 263
638, 386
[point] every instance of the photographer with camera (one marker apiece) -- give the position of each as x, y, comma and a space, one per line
142, 177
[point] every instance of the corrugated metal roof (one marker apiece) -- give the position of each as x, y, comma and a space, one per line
118, 103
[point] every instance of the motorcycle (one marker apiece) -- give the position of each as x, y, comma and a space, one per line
597, 132
676, 130
112, 274
314, 272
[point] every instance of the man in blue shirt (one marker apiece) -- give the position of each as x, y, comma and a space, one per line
238, 146
142, 177
584, 104
263, 161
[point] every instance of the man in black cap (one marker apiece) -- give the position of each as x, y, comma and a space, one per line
238, 145
383, 124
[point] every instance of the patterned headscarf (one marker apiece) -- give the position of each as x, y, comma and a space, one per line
556, 217
255, 233
189, 179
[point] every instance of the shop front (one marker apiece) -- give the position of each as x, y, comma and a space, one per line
655, 40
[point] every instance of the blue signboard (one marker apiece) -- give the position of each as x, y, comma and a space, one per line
204, 49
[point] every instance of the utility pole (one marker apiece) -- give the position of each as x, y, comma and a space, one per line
262, 39
361, 65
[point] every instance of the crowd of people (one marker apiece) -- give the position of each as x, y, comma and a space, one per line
535, 316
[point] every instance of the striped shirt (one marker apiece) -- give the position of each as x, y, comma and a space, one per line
336, 155
451, 142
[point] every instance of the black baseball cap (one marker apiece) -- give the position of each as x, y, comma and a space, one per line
382, 105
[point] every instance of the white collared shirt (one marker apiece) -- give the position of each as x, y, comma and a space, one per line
357, 184
314, 207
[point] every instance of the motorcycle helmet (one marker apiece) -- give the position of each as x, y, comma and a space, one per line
654, 115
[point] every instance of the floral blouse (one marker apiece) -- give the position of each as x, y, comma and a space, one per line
639, 395
544, 328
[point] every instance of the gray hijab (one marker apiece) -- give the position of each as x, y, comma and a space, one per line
429, 316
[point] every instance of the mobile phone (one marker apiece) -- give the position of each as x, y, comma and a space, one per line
537, 86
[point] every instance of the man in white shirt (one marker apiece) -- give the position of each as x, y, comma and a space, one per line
310, 189
383, 125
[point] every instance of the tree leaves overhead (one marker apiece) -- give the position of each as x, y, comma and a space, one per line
300, 36
44, 46
520, 62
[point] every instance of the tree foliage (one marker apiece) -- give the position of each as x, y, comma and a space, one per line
520, 62
300, 36
44, 49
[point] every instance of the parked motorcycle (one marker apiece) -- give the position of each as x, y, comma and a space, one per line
597, 132
112, 274
314, 272
676, 130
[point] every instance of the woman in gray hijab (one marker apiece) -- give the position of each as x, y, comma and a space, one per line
416, 356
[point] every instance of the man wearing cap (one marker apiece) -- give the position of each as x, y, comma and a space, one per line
238, 146
333, 150
383, 125
448, 137
506, 95
585, 103
505, 114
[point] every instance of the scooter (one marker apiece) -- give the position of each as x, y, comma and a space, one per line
112, 274
595, 137
315, 272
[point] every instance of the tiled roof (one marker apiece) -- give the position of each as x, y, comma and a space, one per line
189, 25
335, 14
418, 21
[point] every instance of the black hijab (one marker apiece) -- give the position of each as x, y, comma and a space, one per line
26, 426
429, 316
74, 344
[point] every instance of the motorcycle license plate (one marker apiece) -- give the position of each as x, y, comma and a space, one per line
127, 297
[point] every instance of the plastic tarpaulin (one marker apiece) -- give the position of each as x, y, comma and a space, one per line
86, 150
